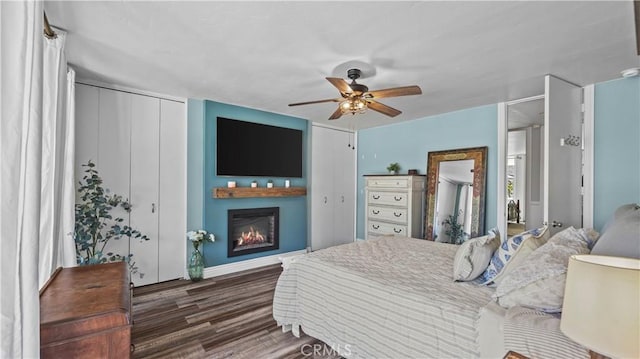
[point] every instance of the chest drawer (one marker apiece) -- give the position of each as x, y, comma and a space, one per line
381, 228
388, 182
398, 215
388, 198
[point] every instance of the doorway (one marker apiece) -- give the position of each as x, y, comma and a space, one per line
525, 166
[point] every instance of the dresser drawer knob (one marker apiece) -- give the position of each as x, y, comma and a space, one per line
397, 198
375, 212
397, 214
397, 230
375, 226
375, 196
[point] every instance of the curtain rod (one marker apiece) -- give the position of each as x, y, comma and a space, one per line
48, 32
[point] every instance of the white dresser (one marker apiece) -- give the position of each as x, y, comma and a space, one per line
394, 205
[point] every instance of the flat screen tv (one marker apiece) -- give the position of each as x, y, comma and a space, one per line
253, 149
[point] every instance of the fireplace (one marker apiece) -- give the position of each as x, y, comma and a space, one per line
252, 230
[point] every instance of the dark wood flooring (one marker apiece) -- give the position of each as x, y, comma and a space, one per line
224, 317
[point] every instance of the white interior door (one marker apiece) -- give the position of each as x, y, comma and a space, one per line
562, 172
344, 188
114, 154
145, 112
173, 190
86, 131
321, 188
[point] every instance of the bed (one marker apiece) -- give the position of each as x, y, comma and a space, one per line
394, 297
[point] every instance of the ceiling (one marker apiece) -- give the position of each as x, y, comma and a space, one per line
265, 55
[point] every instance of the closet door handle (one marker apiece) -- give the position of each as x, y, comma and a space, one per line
397, 214
342, 199
375, 212
325, 199
397, 198
376, 196
375, 226
397, 230
153, 208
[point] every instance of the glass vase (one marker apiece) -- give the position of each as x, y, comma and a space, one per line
196, 265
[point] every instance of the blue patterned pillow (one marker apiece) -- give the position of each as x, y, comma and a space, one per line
505, 253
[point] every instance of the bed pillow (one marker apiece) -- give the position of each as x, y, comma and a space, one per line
538, 282
473, 256
621, 235
511, 252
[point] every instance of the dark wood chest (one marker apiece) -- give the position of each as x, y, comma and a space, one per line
86, 312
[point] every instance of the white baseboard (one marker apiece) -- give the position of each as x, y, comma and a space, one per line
359, 239
248, 264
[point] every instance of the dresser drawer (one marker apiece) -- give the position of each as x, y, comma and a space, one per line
388, 198
398, 215
388, 182
387, 228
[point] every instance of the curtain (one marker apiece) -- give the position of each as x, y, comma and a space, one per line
57, 247
21, 151
36, 181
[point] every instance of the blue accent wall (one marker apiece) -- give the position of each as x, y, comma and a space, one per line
210, 213
616, 147
408, 143
195, 164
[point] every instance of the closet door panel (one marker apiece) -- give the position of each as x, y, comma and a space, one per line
322, 197
86, 131
344, 188
113, 161
173, 186
145, 112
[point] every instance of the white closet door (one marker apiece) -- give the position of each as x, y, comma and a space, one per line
322, 197
145, 112
344, 188
173, 187
113, 154
86, 132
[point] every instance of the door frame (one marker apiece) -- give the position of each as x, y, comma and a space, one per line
587, 146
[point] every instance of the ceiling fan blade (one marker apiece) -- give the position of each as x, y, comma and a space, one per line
340, 84
393, 92
336, 115
312, 102
384, 109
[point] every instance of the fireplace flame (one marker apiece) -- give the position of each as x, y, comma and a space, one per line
251, 237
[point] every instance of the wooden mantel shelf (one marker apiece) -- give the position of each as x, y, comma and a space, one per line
248, 192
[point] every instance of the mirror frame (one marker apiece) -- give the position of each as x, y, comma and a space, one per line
434, 158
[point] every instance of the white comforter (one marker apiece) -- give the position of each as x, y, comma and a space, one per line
392, 297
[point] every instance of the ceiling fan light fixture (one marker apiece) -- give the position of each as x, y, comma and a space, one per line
353, 105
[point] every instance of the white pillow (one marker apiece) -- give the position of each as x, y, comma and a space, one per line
538, 282
473, 256
621, 235
511, 252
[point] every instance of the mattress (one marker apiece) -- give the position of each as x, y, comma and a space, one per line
391, 297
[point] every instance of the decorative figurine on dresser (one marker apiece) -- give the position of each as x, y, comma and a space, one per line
394, 205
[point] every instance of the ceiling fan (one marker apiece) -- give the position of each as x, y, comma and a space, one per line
356, 98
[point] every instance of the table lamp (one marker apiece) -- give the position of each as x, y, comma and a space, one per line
601, 308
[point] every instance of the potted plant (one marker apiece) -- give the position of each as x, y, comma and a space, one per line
393, 168
454, 230
95, 226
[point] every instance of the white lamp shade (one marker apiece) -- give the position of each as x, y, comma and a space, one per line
601, 308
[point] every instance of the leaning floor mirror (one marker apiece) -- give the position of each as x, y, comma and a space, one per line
455, 194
